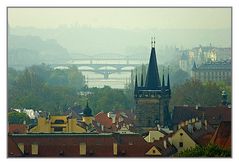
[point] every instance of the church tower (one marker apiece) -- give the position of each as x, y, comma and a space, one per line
152, 97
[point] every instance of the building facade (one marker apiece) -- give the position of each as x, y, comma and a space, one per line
213, 71
85, 145
152, 97
56, 124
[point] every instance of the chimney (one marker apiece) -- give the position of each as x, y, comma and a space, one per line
198, 125
205, 122
193, 120
179, 126
158, 126
190, 128
165, 144
196, 107
186, 122
182, 124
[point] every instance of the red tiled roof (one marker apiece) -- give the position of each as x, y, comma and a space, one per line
214, 115
103, 119
201, 136
97, 145
222, 136
17, 128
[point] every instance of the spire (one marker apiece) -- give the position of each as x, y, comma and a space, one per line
163, 83
142, 78
168, 83
136, 84
152, 78
87, 111
87, 104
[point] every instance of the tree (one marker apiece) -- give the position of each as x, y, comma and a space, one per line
18, 118
75, 77
179, 77
210, 150
194, 92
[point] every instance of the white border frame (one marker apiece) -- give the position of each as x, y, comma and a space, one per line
103, 3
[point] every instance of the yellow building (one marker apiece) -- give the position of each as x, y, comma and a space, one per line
182, 141
153, 135
57, 124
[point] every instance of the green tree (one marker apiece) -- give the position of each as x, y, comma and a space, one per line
75, 77
207, 151
18, 118
193, 92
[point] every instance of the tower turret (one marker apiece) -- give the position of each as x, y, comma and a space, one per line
136, 85
142, 78
163, 83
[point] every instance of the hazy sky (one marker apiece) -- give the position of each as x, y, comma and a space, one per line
123, 18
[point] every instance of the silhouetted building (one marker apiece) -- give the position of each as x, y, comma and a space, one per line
152, 97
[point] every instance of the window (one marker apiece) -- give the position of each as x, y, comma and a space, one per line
59, 122
82, 149
180, 144
130, 143
115, 148
58, 129
34, 149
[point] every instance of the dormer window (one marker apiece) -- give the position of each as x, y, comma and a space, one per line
59, 122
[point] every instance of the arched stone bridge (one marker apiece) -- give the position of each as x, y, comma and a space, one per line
102, 66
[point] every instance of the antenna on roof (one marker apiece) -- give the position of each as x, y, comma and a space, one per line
154, 42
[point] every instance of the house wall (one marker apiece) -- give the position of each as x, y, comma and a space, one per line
153, 135
182, 137
47, 126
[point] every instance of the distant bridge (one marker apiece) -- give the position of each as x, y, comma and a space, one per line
102, 66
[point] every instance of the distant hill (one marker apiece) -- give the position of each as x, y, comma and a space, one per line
28, 50
83, 42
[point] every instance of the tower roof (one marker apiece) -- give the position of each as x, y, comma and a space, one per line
87, 111
152, 78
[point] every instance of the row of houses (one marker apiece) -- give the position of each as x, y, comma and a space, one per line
157, 143
113, 134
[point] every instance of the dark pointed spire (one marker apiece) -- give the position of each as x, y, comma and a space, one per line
87, 111
168, 83
142, 78
87, 104
163, 83
152, 78
136, 84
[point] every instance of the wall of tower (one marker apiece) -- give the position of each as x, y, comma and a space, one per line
147, 111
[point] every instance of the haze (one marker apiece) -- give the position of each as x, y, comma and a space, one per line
123, 18
118, 32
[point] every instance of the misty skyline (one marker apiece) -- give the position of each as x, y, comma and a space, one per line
126, 31
122, 18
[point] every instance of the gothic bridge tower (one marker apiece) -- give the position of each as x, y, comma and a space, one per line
152, 97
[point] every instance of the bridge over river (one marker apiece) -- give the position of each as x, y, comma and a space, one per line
102, 66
